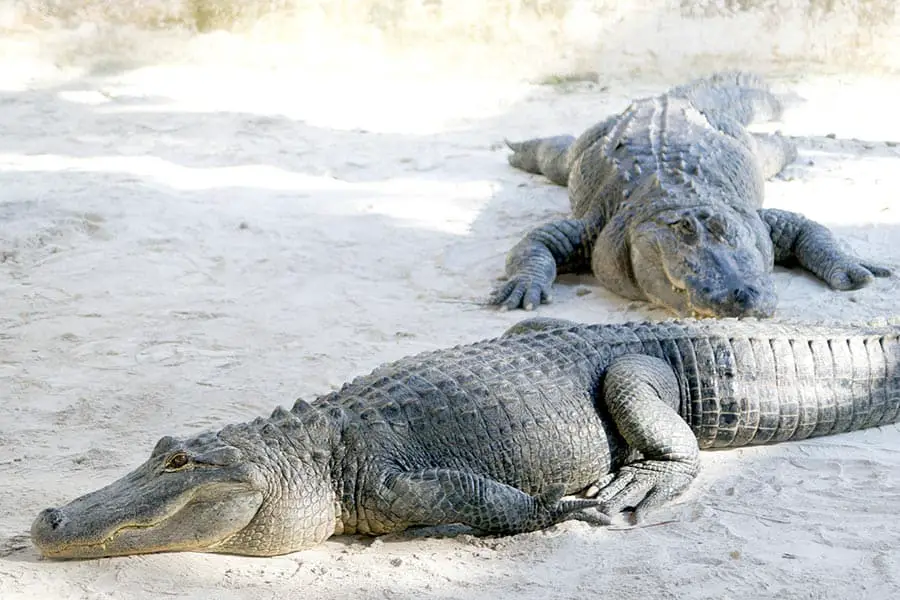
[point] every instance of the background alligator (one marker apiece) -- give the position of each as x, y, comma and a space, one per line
493, 435
667, 207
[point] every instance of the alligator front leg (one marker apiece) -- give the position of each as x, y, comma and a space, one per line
641, 394
815, 247
532, 265
446, 496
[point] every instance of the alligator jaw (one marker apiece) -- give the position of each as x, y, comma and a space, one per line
681, 291
223, 491
119, 521
87, 550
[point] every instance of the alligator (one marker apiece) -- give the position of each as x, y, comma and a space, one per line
666, 202
549, 421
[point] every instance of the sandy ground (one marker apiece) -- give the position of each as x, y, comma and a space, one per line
183, 249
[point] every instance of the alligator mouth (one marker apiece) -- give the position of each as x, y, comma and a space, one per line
74, 548
694, 311
680, 289
677, 287
89, 548
200, 520
682, 292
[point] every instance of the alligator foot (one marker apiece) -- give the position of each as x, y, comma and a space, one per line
550, 508
522, 291
644, 485
814, 247
532, 265
853, 274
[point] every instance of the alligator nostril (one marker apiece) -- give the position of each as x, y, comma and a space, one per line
54, 517
745, 295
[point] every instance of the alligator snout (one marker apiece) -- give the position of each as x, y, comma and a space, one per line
749, 300
46, 529
739, 300
56, 534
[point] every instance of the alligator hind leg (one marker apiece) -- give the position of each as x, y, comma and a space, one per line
446, 496
543, 156
774, 152
641, 394
549, 156
814, 246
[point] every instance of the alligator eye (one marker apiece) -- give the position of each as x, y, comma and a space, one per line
176, 461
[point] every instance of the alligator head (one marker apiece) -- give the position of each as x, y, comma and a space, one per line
244, 490
696, 261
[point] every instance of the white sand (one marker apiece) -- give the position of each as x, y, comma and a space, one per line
183, 248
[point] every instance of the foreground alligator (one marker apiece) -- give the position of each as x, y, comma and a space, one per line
493, 435
667, 207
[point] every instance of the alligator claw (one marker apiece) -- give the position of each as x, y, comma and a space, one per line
521, 292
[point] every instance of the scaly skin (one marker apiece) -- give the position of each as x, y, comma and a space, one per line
667, 207
493, 435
